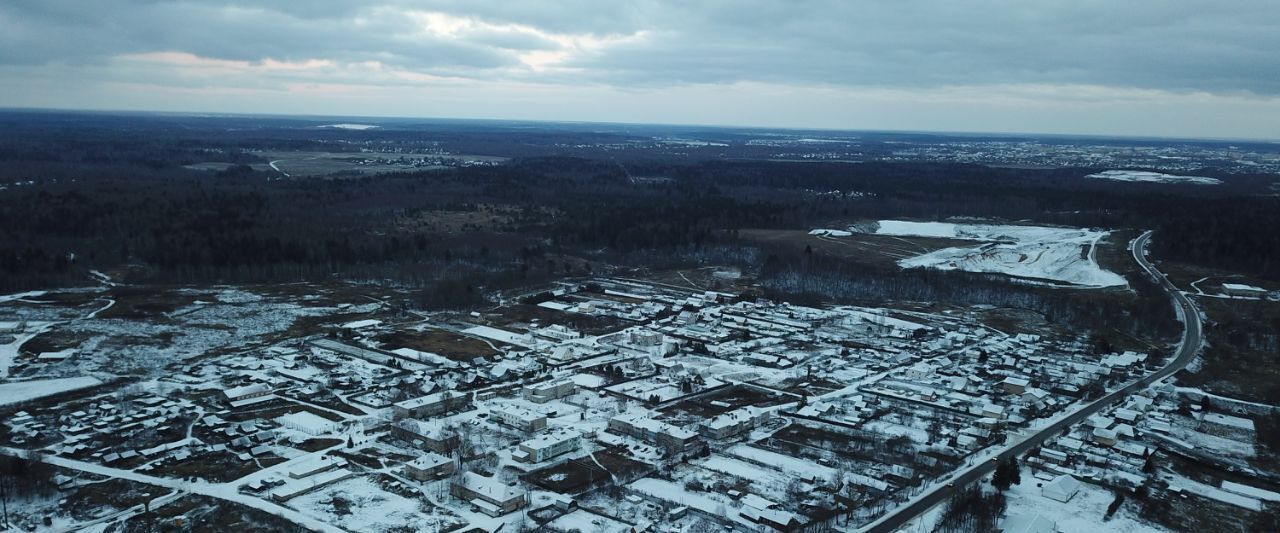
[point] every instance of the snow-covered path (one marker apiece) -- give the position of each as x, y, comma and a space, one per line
221, 491
110, 302
123, 514
277, 169
102, 278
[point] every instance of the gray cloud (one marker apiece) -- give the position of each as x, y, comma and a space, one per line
1228, 46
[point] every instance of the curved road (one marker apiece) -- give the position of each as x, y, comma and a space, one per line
1186, 351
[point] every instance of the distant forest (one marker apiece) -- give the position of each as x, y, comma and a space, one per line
102, 198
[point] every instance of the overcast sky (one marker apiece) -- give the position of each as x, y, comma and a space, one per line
1130, 67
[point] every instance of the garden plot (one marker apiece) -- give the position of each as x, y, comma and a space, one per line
800, 468
1193, 432
916, 434
1063, 255
766, 480
672, 492
659, 388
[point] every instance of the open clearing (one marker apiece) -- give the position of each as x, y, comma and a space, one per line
862, 247
1035, 252
1153, 177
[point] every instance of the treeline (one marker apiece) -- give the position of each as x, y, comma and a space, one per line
25, 477
185, 226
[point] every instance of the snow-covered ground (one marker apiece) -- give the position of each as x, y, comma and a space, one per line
498, 335
830, 233
22, 391
1084, 512
1034, 252
365, 506
1252, 492
21, 296
801, 468
581, 520
1153, 177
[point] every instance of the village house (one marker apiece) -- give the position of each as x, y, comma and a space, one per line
490, 495
768, 513
431, 436
522, 419
1104, 436
1062, 488
733, 423
428, 467
1014, 385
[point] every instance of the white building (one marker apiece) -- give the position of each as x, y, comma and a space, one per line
309, 423
1247, 291
548, 446
429, 466
1062, 488
248, 394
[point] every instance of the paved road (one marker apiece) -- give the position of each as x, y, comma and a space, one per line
1191, 340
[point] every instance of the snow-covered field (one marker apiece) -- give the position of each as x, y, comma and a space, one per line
744, 470
22, 391
1083, 512
1153, 177
1034, 252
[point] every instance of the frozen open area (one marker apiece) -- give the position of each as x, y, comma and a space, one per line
1153, 177
1035, 252
350, 126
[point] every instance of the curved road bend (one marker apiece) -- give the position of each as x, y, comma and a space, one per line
1186, 351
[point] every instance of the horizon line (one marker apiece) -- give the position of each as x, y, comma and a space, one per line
941, 132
